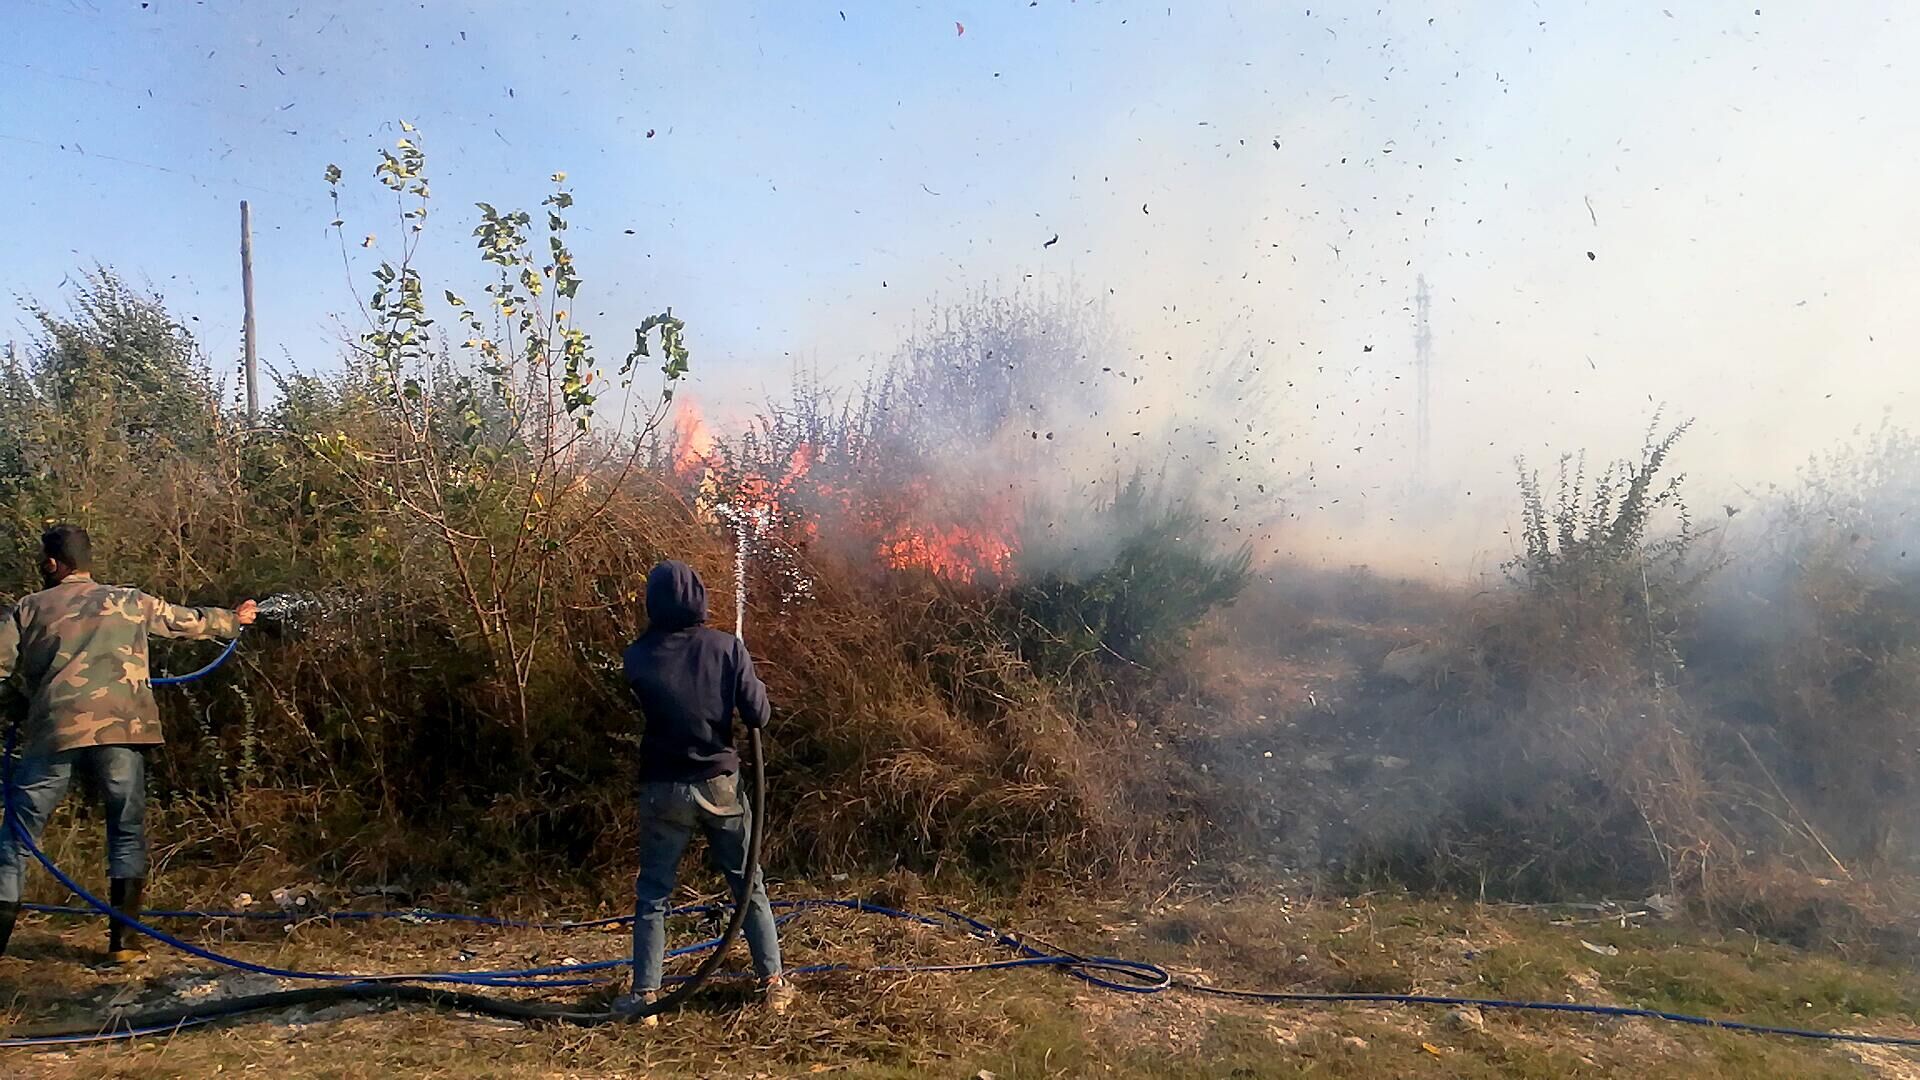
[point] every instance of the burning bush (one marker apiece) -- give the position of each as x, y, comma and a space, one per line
938, 465
932, 464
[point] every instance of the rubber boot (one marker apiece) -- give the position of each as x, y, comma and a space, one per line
9, 914
123, 941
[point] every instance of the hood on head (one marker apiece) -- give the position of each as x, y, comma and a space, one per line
676, 598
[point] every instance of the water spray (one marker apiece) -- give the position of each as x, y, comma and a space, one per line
740, 581
284, 608
747, 527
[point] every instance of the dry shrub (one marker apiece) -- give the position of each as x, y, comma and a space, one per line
1816, 649
1617, 722
1571, 769
918, 737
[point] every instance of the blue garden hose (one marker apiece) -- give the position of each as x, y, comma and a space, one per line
176, 680
1153, 978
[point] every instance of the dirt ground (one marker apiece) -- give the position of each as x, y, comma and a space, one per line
1022, 1022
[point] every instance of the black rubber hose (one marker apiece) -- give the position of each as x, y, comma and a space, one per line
459, 1000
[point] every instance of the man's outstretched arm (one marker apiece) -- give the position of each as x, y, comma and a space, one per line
177, 621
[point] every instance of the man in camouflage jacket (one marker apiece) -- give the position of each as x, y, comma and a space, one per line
80, 651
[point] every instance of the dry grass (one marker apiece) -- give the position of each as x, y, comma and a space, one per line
1020, 1024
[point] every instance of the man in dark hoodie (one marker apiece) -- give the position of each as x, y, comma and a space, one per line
690, 680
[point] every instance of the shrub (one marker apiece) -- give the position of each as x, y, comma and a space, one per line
1131, 595
1575, 761
1816, 651
1594, 563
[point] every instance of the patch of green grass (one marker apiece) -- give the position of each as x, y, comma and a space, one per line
1049, 1041
1527, 969
1359, 1044
1725, 1054
1802, 990
1669, 970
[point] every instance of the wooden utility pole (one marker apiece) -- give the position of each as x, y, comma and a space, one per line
246, 292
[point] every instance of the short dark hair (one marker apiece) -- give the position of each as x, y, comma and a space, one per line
69, 545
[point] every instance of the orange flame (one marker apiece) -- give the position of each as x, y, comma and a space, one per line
950, 528
953, 552
915, 526
692, 442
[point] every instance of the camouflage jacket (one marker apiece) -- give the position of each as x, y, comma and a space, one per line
80, 649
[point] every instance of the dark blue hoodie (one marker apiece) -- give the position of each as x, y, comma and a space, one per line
689, 679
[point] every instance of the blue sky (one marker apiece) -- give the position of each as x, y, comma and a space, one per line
789, 144
820, 176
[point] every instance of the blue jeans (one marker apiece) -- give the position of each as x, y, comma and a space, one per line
669, 814
41, 780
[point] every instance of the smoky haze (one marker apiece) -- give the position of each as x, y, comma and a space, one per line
1697, 216
1697, 207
